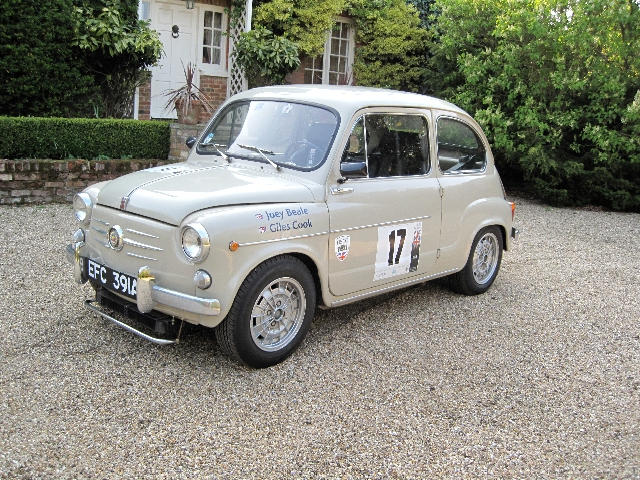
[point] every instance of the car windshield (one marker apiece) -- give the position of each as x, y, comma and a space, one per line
286, 134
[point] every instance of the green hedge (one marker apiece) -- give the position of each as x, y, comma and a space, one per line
62, 138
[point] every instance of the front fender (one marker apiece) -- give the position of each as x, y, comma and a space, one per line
260, 232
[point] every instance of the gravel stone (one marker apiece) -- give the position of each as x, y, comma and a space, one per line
537, 378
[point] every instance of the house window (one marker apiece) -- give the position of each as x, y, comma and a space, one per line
334, 66
212, 38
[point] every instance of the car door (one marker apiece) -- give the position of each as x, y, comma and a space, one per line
385, 224
464, 172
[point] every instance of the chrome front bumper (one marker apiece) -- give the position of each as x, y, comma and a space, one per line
147, 292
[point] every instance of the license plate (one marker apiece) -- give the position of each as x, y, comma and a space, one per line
110, 279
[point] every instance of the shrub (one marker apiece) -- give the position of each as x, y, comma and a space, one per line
556, 86
61, 138
392, 45
40, 72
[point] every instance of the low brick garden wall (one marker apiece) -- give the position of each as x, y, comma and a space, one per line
42, 181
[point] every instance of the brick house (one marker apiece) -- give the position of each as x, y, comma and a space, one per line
198, 32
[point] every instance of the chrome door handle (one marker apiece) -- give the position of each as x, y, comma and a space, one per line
335, 190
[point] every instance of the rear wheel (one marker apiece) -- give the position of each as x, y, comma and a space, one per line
482, 265
271, 313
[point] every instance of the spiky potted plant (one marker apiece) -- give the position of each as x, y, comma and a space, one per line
188, 100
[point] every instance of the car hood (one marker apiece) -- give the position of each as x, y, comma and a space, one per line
170, 193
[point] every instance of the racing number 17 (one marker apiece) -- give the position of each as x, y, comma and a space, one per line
401, 234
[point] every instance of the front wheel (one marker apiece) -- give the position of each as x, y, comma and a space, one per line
482, 265
271, 313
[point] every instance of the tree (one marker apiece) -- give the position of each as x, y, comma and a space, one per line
555, 85
40, 72
118, 48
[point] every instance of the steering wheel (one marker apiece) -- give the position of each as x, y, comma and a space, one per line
298, 152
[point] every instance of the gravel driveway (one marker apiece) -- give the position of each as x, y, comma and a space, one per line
540, 377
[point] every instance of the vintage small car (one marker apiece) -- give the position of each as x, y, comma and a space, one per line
294, 197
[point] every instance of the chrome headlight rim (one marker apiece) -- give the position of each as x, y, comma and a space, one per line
204, 242
82, 207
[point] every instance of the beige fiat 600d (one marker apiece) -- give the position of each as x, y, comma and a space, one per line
294, 197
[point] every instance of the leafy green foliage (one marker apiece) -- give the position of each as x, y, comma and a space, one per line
556, 86
393, 45
61, 138
117, 48
266, 58
302, 22
40, 73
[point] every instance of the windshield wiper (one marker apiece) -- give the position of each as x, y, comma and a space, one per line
216, 145
262, 152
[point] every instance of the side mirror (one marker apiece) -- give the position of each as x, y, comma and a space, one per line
190, 142
353, 169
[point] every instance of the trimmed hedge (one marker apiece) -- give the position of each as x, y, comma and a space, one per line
64, 138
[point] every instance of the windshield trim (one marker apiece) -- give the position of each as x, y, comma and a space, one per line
221, 112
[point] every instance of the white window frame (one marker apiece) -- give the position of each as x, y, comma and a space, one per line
326, 55
208, 68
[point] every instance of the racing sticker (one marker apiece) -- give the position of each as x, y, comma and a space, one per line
398, 249
284, 220
342, 246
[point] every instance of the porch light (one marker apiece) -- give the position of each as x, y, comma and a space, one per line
191, 4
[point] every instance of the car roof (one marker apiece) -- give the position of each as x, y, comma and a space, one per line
347, 99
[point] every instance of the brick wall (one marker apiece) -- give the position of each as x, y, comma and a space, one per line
296, 76
40, 181
178, 150
215, 88
144, 101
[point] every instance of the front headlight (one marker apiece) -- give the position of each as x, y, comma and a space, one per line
195, 242
82, 206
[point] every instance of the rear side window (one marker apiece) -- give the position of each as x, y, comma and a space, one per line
460, 150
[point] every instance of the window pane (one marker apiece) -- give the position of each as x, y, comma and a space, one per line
459, 148
333, 63
217, 20
216, 56
345, 31
397, 145
342, 67
308, 76
207, 37
291, 134
333, 79
206, 55
217, 38
354, 150
335, 46
343, 48
207, 19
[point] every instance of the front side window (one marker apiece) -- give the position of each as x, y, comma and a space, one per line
392, 145
289, 134
460, 150
334, 66
212, 38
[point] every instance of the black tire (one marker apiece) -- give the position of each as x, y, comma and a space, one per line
478, 275
290, 297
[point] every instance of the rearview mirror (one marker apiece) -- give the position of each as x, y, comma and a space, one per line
190, 142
